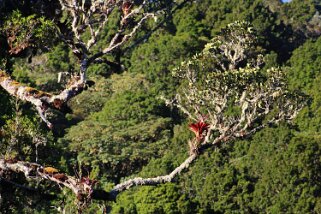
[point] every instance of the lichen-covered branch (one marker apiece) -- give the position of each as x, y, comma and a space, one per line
124, 33
87, 15
114, 44
138, 181
82, 188
40, 99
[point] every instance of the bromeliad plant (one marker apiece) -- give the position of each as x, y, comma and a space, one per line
200, 129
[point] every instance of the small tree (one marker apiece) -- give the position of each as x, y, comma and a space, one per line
227, 92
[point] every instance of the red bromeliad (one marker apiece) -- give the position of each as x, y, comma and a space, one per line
198, 129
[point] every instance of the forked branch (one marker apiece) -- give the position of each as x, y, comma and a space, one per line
90, 16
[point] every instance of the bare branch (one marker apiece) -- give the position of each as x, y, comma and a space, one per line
138, 181
118, 40
176, 102
153, 181
83, 189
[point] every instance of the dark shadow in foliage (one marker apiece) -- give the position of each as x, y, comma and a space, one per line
17, 198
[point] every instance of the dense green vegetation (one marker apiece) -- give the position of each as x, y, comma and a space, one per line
120, 128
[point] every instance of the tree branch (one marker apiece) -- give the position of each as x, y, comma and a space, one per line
81, 188
152, 181
40, 99
118, 40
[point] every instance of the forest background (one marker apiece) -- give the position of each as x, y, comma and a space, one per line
120, 128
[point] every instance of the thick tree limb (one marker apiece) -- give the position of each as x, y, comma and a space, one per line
81, 188
40, 99
153, 181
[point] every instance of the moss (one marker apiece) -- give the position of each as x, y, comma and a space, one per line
3, 75
15, 83
37, 93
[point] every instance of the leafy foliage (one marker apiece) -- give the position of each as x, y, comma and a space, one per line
126, 133
23, 32
164, 199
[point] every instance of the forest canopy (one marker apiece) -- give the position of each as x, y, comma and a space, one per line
172, 106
